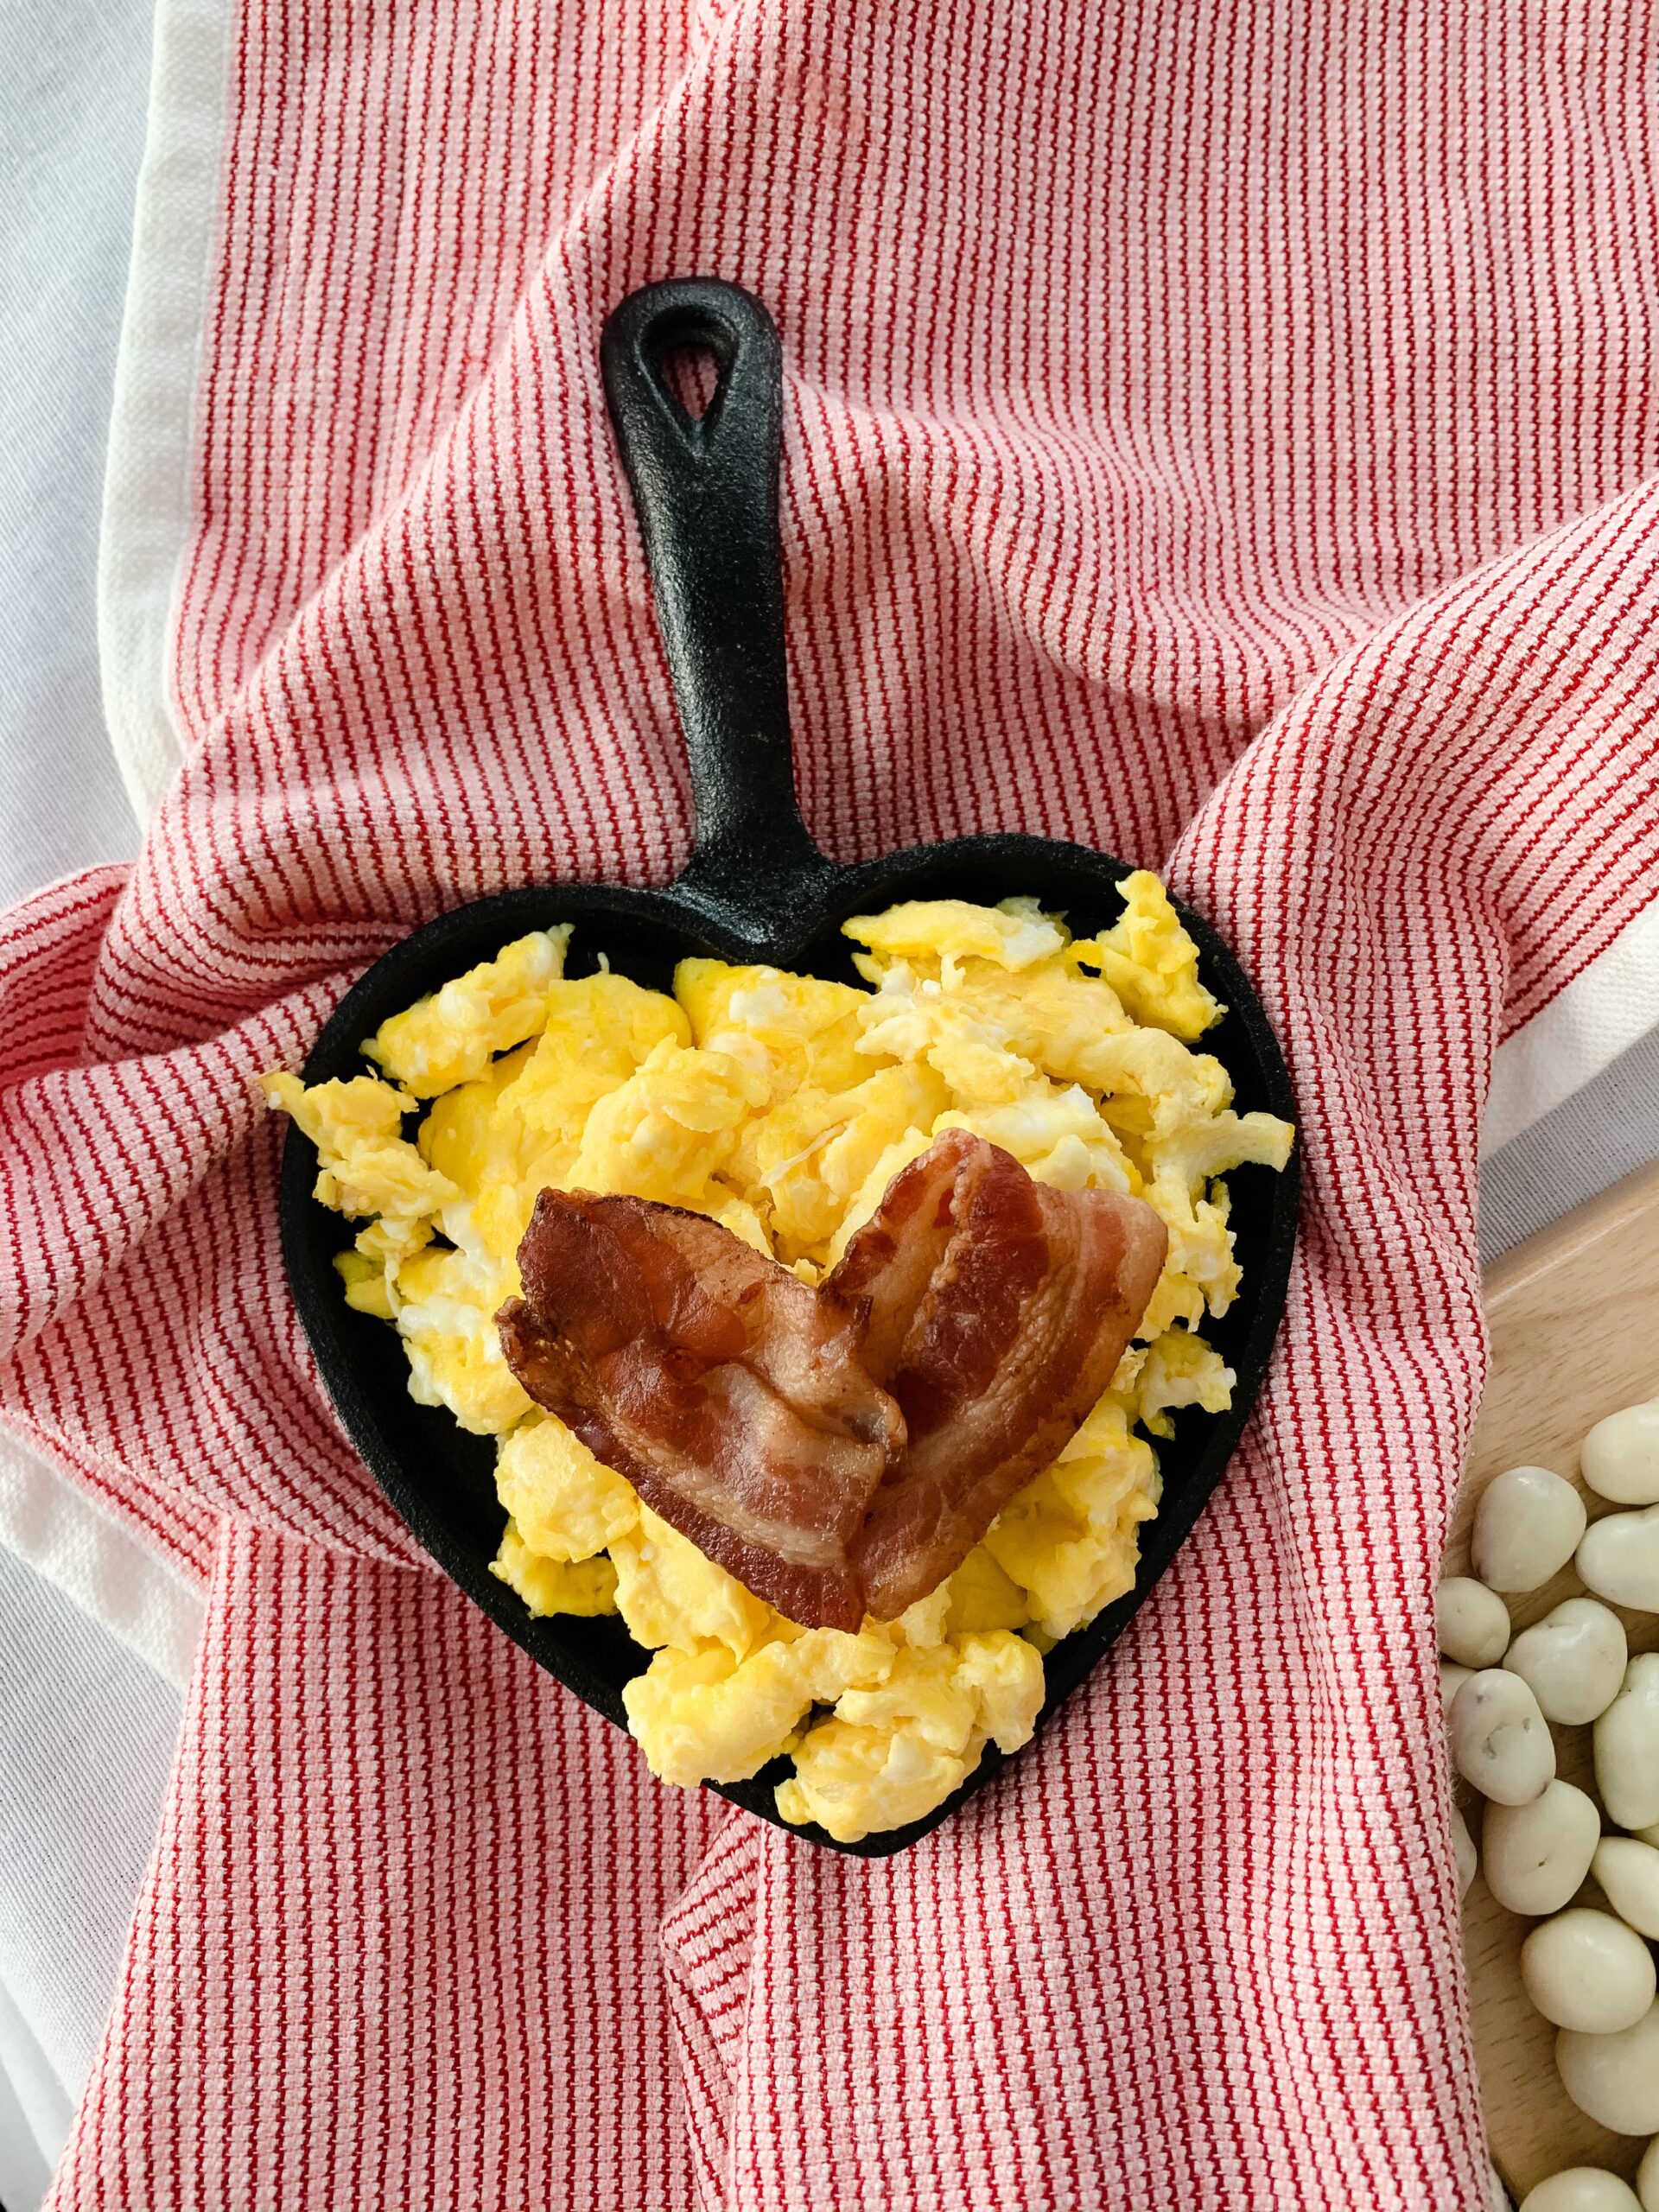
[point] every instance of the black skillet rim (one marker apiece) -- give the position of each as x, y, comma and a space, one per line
310, 1233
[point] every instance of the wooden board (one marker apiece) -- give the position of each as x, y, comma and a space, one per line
1574, 1320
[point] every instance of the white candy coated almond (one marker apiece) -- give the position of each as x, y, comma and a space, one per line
1527, 1524
1620, 1456
1586, 1970
1614, 2078
1618, 1558
1500, 1740
1463, 1847
1628, 1874
1581, 2188
1472, 1623
1647, 2178
1626, 1741
1574, 1660
1534, 1857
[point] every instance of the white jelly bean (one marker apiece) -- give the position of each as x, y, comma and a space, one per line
1453, 1678
1527, 1525
1647, 2177
1620, 1457
1618, 1558
1614, 2078
1572, 1660
1463, 1846
1628, 1874
1584, 1969
1626, 1740
1535, 1856
1581, 2188
1472, 1622
1500, 1740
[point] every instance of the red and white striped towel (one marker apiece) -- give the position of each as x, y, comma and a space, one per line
1224, 430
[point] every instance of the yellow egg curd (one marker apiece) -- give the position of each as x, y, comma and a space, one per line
783, 1105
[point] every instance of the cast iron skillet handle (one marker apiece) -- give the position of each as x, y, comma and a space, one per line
706, 494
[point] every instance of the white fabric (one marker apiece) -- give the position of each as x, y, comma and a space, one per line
1600, 1015
25, 2167
87, 1727
95, 1632
147, 494
1608, 1129
84, 1761
99, 1563
44, 2100
71, 92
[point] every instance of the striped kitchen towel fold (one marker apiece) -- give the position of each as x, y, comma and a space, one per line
1221, 433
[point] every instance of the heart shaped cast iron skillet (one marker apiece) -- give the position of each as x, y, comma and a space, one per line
756, 888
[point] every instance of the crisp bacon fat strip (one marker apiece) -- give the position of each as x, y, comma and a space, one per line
840, 1451
724, 1389
997, 1310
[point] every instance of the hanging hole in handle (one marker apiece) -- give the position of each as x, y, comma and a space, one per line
692, 375
691, 354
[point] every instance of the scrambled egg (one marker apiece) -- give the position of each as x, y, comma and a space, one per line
783, 1105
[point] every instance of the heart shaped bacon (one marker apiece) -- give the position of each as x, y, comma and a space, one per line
839, 1450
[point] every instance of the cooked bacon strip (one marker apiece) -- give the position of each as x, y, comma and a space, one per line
841, 1450
727, 1392
997, 1311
